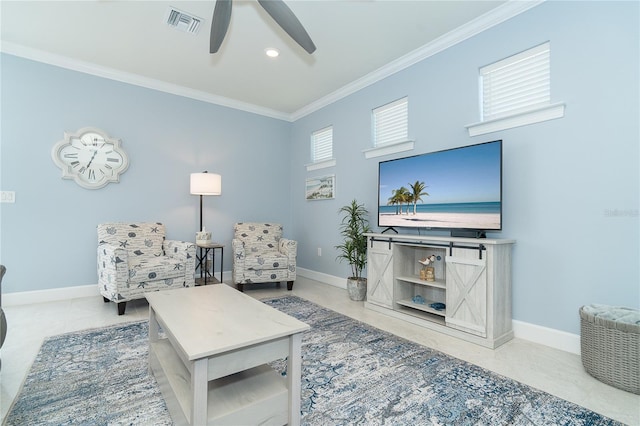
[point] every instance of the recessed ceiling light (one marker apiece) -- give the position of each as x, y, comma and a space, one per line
272, 52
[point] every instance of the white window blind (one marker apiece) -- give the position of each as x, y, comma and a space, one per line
516, 84
322, 144
391, 122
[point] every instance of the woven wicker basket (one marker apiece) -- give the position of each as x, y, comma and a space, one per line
611, 350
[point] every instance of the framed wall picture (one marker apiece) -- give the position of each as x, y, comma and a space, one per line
321, 188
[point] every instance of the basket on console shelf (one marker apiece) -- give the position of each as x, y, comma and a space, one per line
610, 345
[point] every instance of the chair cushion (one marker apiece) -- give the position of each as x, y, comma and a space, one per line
154, 268
266, 260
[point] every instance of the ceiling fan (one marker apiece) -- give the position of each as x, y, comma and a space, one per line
278, 10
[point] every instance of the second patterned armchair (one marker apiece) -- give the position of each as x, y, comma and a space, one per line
135, 258
261, 255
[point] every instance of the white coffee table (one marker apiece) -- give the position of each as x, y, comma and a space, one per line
211, 365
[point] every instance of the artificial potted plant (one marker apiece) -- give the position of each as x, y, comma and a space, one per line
354, 225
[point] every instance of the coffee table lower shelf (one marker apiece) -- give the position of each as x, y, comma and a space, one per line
257, 395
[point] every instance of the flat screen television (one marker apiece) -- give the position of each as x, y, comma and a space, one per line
457, 189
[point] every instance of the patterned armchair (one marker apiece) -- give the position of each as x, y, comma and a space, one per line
134, 258
261, 255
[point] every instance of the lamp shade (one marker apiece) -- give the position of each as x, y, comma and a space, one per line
206, 184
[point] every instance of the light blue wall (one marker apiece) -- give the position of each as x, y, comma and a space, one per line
48, 237
564, 180
570, 185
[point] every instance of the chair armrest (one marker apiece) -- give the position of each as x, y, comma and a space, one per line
288, 248
113, 263
183, 252
237, 246
238, 251
180, 250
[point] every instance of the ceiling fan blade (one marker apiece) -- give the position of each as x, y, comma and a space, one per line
219, 24
281, 13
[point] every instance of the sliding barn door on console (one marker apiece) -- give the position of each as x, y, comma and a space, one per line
380, 274
467, 293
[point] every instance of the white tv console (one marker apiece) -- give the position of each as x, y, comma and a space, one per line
472, 278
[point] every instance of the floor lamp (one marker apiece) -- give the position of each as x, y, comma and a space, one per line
205, 184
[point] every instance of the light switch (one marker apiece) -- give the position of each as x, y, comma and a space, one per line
7, 197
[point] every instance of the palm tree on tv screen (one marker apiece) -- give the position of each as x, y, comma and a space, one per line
393, 200
417, 191
400, 196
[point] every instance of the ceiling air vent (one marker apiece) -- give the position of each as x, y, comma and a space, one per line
182, 21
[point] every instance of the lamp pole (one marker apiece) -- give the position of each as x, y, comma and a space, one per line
201, 212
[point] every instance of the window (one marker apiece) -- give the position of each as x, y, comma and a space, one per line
322, 144
516, 84
516, 91
390, 123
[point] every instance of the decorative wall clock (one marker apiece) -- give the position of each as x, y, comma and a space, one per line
90, 157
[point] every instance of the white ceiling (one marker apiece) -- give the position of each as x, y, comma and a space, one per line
358, 42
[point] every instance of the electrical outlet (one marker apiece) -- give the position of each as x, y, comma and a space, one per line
319, 251
7, 197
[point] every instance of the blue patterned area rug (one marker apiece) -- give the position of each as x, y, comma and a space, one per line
92, 377
352, 374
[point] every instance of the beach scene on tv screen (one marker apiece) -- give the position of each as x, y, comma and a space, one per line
456, 189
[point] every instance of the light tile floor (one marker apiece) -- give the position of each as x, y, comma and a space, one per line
557, 372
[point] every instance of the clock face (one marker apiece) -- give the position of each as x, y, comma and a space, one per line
90, 157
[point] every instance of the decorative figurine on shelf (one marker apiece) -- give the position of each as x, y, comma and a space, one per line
438, 306
427, 272
418, 299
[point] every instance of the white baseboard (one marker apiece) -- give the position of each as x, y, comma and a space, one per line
51, 295
556, 339
322, 277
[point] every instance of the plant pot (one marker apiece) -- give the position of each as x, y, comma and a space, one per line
357, 288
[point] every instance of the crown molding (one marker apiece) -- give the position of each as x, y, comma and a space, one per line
134, 79
490, 19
